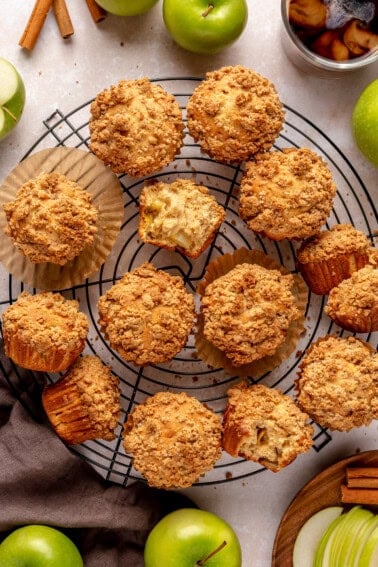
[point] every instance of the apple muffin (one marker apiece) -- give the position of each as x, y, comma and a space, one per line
286, 194
337, 383
331, 256
136, 127
52, 219
179, 216
85, 403
264, 425
173, 438
234, 113
353, 304
44, 332
147, 315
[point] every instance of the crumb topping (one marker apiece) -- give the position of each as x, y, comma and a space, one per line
247, 312
179, 215
234, 113
337, 383
136, 127
340, 239
147, 316
52, 219
264, 425
286, 194
174, 439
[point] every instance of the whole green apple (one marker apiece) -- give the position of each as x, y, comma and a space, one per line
205, 26
365, 122
39, 546
190, 537
12, 97
126, 7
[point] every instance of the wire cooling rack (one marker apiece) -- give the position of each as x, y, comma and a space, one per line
186, 372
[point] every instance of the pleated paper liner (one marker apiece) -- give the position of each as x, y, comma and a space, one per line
216, 358
91, 174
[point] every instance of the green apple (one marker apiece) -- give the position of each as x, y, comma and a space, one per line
205, 26
361, 540
309, 535
12, 97
369, 555
191, 538
365, 122
126, 7
39, 546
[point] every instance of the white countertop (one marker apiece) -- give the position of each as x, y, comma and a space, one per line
67, 73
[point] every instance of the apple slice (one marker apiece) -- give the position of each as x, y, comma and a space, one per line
360, 542
12, 97
310, 534
369, 555
348, 533
322, 554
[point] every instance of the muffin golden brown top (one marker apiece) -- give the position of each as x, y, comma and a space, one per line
52, 219
181, 215
44, 321
286, 194
174, 439
247, 312
147, 315
136, 127
353, 304
337, 383
234, 113
340, 239
264, 425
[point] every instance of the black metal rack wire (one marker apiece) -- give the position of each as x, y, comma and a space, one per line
186, 372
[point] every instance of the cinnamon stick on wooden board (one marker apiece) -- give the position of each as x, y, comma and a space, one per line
367, 496
96, 11
361, 486
35, 23
63, 18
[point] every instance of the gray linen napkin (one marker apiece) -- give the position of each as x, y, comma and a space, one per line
43, 482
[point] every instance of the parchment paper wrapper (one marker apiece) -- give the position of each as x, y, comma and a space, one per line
106, 191
214, 357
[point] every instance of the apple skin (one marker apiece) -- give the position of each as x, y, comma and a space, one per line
207, 34
39, 546
14, 106
365, 122
126, 7
186, 536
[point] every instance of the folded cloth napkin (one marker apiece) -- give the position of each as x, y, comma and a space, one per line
43, 482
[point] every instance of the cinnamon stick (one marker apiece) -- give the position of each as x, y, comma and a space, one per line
361, 472
367, 496
35, 23
96, 11
63, 18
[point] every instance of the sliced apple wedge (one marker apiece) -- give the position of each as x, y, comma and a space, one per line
362, 539
349, 532
369, 555
12, 97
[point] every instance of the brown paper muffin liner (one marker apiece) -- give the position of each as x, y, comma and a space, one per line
91, 174
215, 357
355, 323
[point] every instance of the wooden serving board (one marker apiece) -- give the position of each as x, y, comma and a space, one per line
320, 492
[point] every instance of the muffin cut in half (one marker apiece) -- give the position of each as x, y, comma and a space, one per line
234, 113
147, 315
173, 439
264, 425
136, 127
286, 194
337, 383
331, 256
85, 403
180, 215
44, 332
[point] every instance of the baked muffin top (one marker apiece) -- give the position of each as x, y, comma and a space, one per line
181, 215
234, 113
340, 239
46, 320
337, 383
354, 302
147, 315
286, 194
247, 312
264, 425
136, 127
174, 439
52, 219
